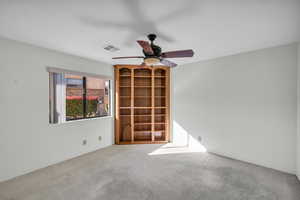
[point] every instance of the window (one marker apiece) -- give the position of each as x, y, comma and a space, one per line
76, 96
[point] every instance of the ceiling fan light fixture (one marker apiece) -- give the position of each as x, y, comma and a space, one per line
154, 55
151, 61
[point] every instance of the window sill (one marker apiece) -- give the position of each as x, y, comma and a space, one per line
81, 120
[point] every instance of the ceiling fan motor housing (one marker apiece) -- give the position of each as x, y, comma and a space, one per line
156, 51
151, 37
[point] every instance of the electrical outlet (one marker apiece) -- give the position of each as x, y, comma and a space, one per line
84, 142
199, 138
99, 138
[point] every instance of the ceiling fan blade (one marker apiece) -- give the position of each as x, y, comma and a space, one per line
128, 57
146, 46
178, 54
168, 63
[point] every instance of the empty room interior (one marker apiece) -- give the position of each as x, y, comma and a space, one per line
150, 100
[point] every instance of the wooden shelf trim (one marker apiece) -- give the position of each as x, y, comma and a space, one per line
142, 104
143, 96
139, 76
145, 115
137, 107
148, 123
144, 142
148, 131
142, 123
142, 86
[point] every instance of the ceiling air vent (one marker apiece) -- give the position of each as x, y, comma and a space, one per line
111, 48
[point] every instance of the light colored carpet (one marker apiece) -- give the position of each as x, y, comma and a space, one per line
130, 173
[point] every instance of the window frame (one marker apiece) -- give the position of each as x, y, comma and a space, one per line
55, 118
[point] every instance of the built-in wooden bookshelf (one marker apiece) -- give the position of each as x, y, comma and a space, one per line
142, 104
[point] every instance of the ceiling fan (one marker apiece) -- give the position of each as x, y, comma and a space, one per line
154, 55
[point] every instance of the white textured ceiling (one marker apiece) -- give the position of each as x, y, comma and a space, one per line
213, 28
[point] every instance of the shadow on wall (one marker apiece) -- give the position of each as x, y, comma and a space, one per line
141, 24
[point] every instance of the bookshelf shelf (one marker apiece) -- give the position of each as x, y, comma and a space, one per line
142, 104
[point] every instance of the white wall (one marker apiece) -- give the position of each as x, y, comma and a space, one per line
243, 106
27, 140
298, 119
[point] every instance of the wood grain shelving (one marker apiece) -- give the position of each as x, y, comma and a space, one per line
142, 76
142, 104
140, 107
